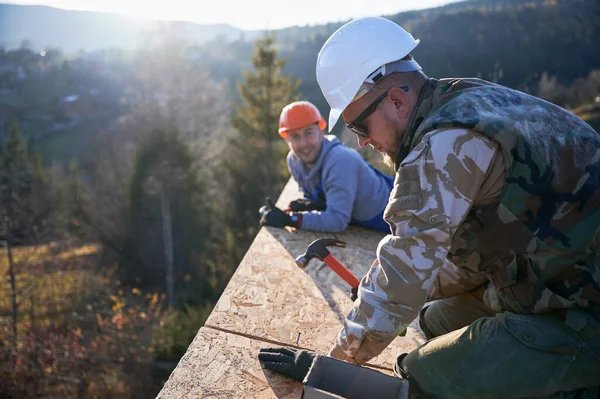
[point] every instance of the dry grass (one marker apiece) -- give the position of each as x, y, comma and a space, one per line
65, 298
51, 282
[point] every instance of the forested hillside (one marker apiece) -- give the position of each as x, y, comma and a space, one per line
520, 44
132, 175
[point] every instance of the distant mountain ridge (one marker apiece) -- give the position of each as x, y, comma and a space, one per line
45, 27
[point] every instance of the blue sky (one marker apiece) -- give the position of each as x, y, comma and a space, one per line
245, 14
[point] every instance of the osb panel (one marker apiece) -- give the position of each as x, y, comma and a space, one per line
270, 298
220, 365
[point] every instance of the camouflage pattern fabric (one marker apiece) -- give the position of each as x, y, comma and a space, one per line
491, 181
424, 212
535, 245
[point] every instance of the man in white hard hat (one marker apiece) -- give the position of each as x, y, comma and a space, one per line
495, 217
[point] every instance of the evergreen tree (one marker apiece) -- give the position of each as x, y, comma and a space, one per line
256, 162
23, 190
167, 214
23, 202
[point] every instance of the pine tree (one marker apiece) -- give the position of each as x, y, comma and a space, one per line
23, 202
256, 163
23, 189
167, 213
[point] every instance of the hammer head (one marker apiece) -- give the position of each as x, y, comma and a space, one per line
318, 249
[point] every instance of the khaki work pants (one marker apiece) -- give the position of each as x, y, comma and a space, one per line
477, 353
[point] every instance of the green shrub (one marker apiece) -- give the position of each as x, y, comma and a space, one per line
176, 331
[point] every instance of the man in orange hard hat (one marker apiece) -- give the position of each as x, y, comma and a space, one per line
339, 186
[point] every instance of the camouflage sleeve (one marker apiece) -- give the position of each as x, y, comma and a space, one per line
434, 189
452, 281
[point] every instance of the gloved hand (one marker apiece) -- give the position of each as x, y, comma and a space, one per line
273, 216
354, 294
293, 363
302, 204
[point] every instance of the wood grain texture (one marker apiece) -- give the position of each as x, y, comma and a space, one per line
221, 365
269, 298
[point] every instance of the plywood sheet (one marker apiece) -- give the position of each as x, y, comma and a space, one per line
220, 365
270, 299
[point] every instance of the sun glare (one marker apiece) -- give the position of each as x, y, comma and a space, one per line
258, 14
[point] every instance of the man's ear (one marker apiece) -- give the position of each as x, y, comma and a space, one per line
400, 100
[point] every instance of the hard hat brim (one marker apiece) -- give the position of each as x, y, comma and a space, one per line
334, 115
283, 131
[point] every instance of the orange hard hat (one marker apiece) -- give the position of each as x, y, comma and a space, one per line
298, 115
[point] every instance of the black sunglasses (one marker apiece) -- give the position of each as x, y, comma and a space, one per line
357, 125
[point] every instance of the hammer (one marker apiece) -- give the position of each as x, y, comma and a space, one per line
318, 249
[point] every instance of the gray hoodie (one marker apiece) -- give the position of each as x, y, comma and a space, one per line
352, 188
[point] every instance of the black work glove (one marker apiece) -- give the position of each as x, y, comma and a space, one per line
354, 294
303, 204
273, 216
293, 363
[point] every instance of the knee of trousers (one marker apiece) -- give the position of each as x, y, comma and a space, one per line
425, 379
423, 324
432, 320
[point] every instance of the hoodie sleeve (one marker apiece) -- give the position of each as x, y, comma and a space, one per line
339, 176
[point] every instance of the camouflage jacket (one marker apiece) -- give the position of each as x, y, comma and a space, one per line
493, 183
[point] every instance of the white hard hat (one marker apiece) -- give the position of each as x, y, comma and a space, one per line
354, 52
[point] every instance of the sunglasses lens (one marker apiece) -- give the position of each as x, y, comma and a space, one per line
358, 130
357, 125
